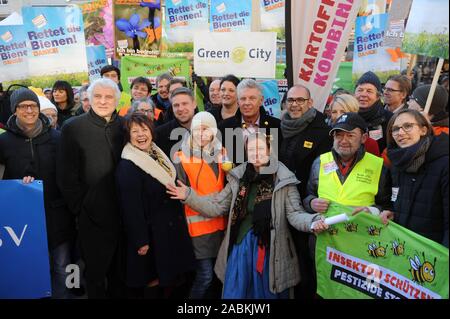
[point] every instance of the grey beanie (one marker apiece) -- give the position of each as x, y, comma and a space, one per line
440, 98
21, 95
371, 78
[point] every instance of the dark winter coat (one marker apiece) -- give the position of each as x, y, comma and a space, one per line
422, 201
163, 132
299, 152
36, 157
90, 152
266, 123
152, 218
377, 118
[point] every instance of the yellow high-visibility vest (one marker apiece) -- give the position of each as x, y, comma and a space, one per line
359, 188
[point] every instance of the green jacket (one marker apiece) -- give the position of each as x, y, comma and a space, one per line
286, 208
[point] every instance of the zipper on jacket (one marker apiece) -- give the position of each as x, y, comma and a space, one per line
30, 140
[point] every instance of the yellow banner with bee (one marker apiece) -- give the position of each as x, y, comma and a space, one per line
362, 258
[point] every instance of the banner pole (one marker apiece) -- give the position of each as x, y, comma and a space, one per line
412, 64
437, 73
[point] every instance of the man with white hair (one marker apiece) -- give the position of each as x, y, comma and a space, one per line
91, 145
250, 117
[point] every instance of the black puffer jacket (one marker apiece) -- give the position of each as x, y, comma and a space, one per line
422, 201
36, 157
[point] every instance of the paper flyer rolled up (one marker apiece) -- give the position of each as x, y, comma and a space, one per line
336, 219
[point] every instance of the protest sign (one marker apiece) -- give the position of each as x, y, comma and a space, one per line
273, 17
244, 54
98, 24
230, 15
398, 13
137, 27
96, 57
272, 98
55, 36
370, 54
427, 28
317, 37
25, 270
132, 67
14, 54
362, 258
182, 19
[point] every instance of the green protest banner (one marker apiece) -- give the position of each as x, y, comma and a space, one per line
132, 67
362, 259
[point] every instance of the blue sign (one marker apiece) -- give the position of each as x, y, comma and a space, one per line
25, 269
230, 15
272, 100
96, 57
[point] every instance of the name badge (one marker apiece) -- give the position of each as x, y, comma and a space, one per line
330, 167
308, 144
394, 194
376, 134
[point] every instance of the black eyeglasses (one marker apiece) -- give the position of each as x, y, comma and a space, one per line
389, 90
24, 107
298, 100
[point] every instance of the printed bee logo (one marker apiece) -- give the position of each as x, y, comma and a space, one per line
373, 230
398, 248
422, 271
377, 250
351, 227
332, 231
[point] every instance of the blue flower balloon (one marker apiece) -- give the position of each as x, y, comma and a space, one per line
132, 28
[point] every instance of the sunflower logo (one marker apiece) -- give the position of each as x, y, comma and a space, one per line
238, 54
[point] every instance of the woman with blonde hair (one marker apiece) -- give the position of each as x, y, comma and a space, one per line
344, 103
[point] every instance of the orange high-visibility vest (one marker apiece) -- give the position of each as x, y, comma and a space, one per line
204, 181
157, 113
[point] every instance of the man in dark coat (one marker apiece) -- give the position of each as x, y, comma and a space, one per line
305, 135
90, 150
371, 109
172, 133
28, 152
250, 117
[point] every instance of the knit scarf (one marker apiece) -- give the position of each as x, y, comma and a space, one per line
291, 127
31, 133
164, 103
373, 115
155, 163
261, 215
410, 159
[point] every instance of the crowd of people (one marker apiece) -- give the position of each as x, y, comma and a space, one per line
160, 200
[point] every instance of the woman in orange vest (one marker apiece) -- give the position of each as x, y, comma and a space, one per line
198, 164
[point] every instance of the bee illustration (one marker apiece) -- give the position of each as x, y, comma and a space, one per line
374, 231
351, 227
422, 272
332, 231
377, 251
398, 248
